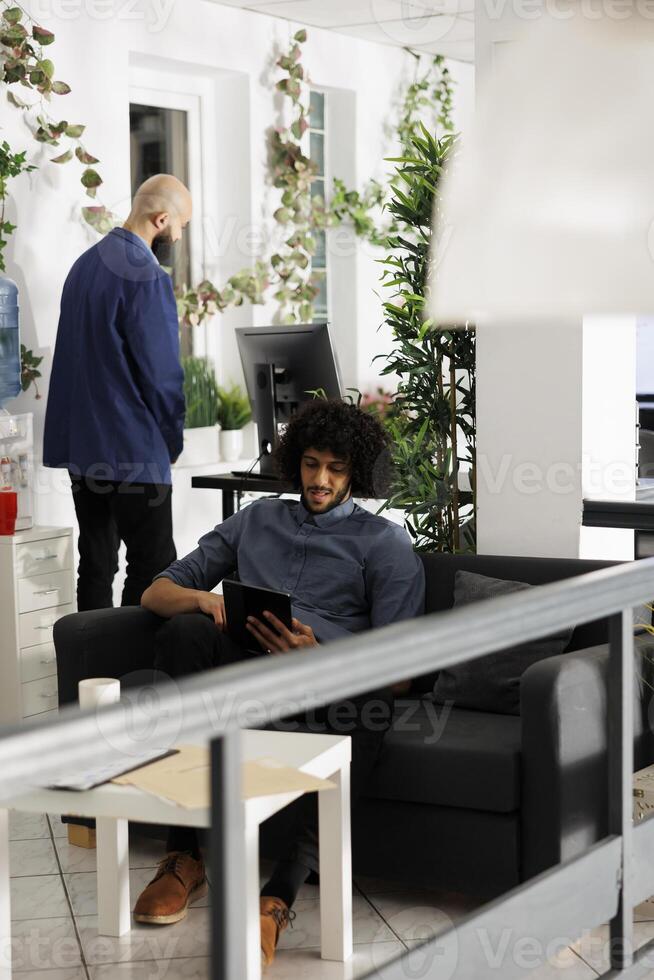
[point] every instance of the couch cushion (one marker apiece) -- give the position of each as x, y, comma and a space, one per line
450, 757
492, 682
440, 569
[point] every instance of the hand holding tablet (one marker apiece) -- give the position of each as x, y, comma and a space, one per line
261, 621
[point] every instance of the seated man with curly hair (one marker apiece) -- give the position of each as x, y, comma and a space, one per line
346, 569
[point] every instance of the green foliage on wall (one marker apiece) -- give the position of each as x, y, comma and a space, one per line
11, 165
24, 66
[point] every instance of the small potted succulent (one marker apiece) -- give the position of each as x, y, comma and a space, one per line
233, 413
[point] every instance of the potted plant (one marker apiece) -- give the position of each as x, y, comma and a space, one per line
233, 413
201, 393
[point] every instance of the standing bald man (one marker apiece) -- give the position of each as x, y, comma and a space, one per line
115, 414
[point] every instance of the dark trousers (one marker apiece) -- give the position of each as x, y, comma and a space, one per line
191, 642
140, 514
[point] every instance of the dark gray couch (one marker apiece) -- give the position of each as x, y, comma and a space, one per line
495, 798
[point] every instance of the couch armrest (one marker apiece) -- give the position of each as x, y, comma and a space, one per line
564, 754
104, 643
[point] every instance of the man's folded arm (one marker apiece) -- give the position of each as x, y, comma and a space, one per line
177, 588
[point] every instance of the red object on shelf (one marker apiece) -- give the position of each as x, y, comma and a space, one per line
8, 511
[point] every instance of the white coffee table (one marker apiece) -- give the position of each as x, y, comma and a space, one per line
324, 756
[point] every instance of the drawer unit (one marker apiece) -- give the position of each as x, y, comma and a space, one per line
42, 715
36, 627
37, 588
40, 557
39, 696
43, 591
38, 662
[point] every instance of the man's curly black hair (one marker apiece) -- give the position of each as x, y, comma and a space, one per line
344, 430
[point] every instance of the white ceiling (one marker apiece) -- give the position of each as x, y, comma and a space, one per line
437, 26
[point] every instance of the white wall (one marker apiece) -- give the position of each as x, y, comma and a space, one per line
100, 49
645, 357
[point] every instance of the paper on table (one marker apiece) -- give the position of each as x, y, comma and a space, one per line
268, 777
184, 778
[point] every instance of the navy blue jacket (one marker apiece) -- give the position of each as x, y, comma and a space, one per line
116, 399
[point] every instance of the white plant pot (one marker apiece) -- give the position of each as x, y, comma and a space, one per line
200, 446
231, 444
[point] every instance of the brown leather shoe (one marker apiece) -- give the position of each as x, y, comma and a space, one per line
274, 915
179, 881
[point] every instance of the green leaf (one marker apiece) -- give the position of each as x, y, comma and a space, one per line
91, 179
46, 66
42, 36
60, 88
13, 36
13, 15
85, 157
63, 157
301, 36
15, 101
74, 130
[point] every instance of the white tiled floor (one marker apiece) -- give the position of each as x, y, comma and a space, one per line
54, 933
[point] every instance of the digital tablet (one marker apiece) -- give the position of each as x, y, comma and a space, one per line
242, 601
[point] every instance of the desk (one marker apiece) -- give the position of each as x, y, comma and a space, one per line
232, 486
637, 513
324, 756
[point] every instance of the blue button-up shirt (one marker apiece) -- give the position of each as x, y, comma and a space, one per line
347, 570
116, 399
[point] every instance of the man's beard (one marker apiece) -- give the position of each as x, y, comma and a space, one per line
337, 499
162, 246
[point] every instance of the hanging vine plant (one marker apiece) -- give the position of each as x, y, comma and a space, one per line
24, 65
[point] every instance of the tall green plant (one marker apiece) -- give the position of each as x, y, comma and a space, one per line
233, 408
200, 392
433, 427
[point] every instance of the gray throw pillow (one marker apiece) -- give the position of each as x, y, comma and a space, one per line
492, 683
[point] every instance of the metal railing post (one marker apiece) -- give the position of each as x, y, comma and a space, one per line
227, 860
620, 715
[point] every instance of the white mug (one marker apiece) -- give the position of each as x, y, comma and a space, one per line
96, 692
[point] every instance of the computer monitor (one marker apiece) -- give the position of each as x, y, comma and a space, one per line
282, 365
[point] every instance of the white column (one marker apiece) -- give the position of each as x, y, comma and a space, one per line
556, 401
555, 423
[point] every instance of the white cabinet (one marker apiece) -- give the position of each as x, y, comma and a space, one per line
37, 587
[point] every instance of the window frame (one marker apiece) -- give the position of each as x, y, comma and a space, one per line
323, 315
190, 104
